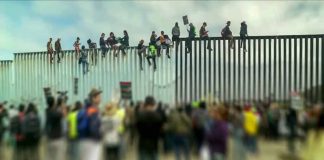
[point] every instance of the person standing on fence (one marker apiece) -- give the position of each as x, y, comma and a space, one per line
50, 49
84, 60
203, 33
243, 35
227, 34
93, 51
58, 49
102, 44
176, 34
76, 46
192, 35
141, 50
124, 42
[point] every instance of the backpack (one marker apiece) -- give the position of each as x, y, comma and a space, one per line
31, 126
88, 124
83, 122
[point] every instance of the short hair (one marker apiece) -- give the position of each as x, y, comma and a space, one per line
202, 105
50, 101
149, 100
21, 108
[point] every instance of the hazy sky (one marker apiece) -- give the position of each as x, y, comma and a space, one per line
26, 26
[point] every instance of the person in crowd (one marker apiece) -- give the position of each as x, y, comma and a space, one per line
112, 125
217, 133
12, 111
199, 120
112, 42
163, 42
176, 33
84, 60
124, 42
31, 129
273, 116
50, 50
102, 44
179, 125
227, 34
141, 52
16, 132
73, 142
54, 129
3, 116
292, 122
250, 124
203, 33
152, 55
153, 38
76, 46
93, 51
58, 49
149, 124
237, 119
89, 127
243, 35
192, 35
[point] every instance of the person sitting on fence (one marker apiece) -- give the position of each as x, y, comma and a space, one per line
76, 46
102, 44
203, 33
243, 35
152, 54
163, 42
58, 49
227, 34
93, 51
50, 49
192, 35
141, 50
124, 42
84, 60
112, 42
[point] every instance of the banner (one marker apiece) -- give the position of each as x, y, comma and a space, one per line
126, 90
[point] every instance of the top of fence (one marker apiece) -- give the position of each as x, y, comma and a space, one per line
212, 38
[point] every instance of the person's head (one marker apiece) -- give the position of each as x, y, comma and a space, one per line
78, 39
83, 47
77, 106
141, 41
243, 23
176, 24
204, 24
50, 101
50, 39
89, 41
125, 33
60, 102
228, 23
149, 102
59, 39
102, 34
12, 107
110, 108
95, 96
190, 24
162, 32
21, 108
31, 108
202, 105
153, 33
111, 34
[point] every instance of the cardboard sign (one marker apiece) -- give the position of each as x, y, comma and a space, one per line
185, 20
126, 90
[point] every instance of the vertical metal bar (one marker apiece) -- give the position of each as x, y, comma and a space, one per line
239, 73
185, 77
249, 70
176, 74
200, 72
311, 95
275, 69
205, 70
285, 69
234, 70
209, 69
270, 70
259, 70
265, 68
295, 64
306, 69
219, 70
224, 70
300, 64
289, 68
190, 85
196, 89
279, 70
215, 77
254, 69
322, 70
317, 83
229, 72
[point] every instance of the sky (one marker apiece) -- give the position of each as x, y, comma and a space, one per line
25, 26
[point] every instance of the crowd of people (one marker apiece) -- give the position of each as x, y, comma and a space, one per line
155, 46
196, 130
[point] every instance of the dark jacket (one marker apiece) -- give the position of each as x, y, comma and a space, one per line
149, 124
192, 32
125, 41
58, 46
54, 123
243, 29
226, 31
216, 136
102, 42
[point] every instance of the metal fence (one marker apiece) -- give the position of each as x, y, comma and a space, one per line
273, 66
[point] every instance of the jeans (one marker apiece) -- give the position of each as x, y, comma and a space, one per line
161, 48
112, 153
181, 146
207, 40
189, 45
122, 48
93, 54
242, 42
85, 66
251, 144
140, 52
149, 62
144, 155
58, 55
104, 50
